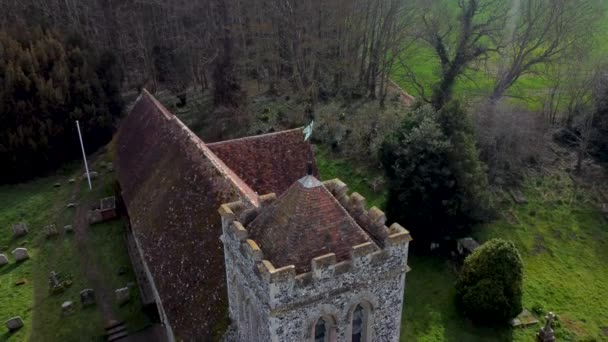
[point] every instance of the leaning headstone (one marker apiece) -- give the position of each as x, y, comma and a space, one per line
466, 246
122, 295
524, 319
3, 260
20, 254
54, 280
92, 174
14, 324
19, 229
518, 196
546, 334
50, 231
87, 297
68, 229
67, 308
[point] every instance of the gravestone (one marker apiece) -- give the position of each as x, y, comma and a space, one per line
3, 260
122, 295
524, 319
68, 229
466, 246
546, 334
71, 181
87, 297
20, 254
14, 324
57, 184
518, 196
72, 205
20, 229
67, 308
92, 174
50, 231
54, 280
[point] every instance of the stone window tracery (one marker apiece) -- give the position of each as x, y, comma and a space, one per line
325, 330
361, 323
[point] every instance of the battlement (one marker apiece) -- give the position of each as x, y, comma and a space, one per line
373, 220
387, 250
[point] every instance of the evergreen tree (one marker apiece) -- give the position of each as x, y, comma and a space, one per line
437, 183
45, 85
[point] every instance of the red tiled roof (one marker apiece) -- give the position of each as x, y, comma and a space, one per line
307, 221
172, 185
269, 162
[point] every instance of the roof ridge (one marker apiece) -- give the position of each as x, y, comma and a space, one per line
226, 172
246, 191
259, 136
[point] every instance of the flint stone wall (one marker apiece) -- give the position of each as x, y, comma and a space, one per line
288, 310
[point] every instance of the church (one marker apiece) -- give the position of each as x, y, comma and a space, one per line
287, 257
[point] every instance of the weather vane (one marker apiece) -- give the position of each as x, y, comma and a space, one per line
308, 130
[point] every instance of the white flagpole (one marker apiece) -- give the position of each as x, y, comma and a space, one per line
84, 156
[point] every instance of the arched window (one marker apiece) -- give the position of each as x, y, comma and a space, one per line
252, 322
358, 318
325, 330
321, 331
360, 325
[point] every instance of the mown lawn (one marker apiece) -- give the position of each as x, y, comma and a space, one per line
562, 238
38, 204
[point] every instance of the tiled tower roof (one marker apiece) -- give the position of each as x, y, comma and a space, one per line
305, 222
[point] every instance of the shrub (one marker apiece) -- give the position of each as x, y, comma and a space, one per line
489, 289
437, 183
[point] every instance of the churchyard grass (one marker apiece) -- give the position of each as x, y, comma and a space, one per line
563, 240
356, 178
39, 203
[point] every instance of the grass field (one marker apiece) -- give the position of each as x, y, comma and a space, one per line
563, 240
530, 91
39, 203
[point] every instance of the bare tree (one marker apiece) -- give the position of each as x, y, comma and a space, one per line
539, 33
460, 39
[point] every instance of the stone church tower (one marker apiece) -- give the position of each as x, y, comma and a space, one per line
314, 265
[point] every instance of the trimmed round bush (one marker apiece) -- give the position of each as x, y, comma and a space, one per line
489, 289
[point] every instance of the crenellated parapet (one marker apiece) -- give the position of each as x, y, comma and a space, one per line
373, 220
386, 254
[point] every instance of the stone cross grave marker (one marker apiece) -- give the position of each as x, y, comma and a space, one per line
546, 334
